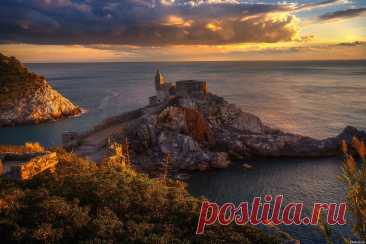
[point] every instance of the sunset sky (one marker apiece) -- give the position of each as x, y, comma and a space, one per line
178, 30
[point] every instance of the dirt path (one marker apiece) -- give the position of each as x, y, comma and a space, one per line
92, 146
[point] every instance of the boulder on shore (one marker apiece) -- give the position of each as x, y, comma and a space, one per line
26, 97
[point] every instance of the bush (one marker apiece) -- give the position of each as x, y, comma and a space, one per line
355, 178
16, 81
29, 147
81, 202
34, 147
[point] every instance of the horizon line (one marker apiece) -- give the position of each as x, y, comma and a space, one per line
199, 61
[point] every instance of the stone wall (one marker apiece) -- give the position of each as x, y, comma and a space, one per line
33, 167
189, 88
163, 94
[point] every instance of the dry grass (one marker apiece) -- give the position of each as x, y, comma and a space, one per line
29, 147
34, 147
1, 167
354, 175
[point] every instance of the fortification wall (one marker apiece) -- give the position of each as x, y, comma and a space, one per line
31, 168
191, 88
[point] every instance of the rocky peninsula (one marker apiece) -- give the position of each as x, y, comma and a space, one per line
26, 97
190, 128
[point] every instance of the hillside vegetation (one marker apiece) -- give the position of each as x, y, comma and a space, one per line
15, 79
81, 202
26, 97
28, 147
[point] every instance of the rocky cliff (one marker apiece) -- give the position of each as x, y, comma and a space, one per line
26, 97
201, 133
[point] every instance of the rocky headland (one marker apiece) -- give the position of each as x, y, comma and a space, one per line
26, 97
197, 131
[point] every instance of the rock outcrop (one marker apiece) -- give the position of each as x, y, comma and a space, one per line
206, 132
28, 98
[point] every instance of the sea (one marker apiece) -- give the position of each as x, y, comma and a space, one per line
313, 98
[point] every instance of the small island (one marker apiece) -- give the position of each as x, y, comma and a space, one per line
185, 127
27, 98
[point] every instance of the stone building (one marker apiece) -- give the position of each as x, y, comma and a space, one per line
184, 88
191, 88
163, 89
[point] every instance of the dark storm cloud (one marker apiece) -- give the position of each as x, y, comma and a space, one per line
142, 22
343, 14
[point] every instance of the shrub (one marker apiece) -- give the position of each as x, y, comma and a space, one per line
355, 178
29, 147
83, 202
34, 147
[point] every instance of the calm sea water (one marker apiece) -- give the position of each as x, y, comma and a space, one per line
312, 98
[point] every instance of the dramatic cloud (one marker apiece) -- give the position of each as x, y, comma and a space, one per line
309, 6
343, 14
353, 44
248, 51
146, 23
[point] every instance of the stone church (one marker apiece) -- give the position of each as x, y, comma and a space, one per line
184, 88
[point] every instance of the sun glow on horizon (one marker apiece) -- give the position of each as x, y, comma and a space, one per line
205, 31
294, 50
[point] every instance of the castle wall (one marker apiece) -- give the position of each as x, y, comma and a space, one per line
32, 167
191, 88
162, 94
186, 88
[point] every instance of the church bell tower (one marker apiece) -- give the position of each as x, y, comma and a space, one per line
159, 80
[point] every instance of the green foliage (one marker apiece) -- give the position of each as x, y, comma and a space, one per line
81, 202
15, 80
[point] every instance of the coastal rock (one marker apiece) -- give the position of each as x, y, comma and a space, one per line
233, 132
246, 166
28, 98
232, 116
185, 152
202, 132
173, 118
220, 160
